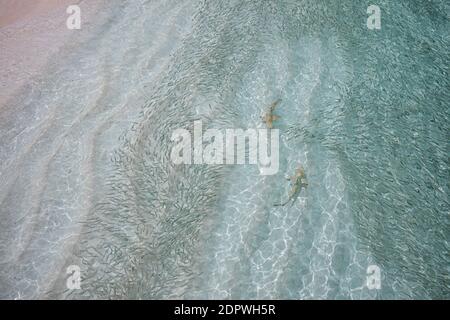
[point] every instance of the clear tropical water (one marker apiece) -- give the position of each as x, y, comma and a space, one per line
366, 112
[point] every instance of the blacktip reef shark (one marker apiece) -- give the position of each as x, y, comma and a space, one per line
268, 118
298, 181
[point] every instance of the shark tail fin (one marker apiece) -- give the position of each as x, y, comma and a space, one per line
281, 204
274, 105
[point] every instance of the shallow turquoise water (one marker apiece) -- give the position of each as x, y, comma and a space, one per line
364, 111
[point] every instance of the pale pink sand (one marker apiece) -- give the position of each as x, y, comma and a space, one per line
32, 31
15, 10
